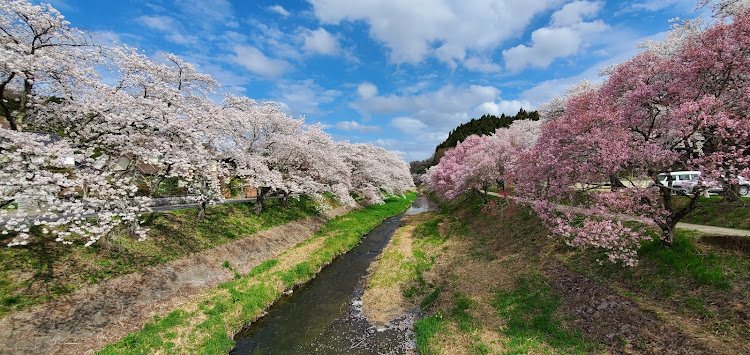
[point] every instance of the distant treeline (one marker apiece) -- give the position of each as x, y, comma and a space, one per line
487, 124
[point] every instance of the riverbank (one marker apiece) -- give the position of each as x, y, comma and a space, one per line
44, 270
208, 322
91, 317
498, 284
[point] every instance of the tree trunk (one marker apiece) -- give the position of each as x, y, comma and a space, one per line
615, 183
132, 228
667, 239
284, 199
483, 194
258, 207
732, 193
202, 209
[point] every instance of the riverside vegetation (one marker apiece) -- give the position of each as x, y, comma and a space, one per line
44, 271
498, 284
208, 324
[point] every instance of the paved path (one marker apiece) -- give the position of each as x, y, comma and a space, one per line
714, 230
680, 225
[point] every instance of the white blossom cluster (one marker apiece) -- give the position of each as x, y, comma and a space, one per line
76, 153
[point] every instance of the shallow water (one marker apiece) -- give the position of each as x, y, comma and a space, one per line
422, 204
324, 316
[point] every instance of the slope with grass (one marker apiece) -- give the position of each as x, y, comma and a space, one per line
88, 317
714, 211
505, 287
208, 323
44, 270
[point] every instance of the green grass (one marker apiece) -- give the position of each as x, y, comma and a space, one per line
430, 299
408, 269
44, 269
154, 334
428, 231
246, 298
425, 330
263, 267
532, 320
664, 271
459, 314
684, 258
714, 211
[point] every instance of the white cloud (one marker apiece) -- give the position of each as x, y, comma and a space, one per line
207, 12
180, 38
447, 29
564, 37
497, 108
61, 5
257, 62
107, 37
234, 37
658, 5
305, 96
320, 41
172, 29
367, 90
444, 102
481, 65
349, 126
408, 124
412, 150
279, 10
575, 12
161, 23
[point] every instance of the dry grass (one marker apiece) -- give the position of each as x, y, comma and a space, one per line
670, 303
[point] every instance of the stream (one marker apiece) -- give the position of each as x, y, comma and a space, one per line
324, 315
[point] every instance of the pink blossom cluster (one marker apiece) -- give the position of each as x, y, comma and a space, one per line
480, 162
661, 111
682, 104
76, 148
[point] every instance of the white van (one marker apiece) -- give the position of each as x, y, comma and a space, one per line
679, 177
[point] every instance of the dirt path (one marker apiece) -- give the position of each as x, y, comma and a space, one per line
714, 230
91, 317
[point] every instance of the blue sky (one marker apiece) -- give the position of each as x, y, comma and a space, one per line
397, 73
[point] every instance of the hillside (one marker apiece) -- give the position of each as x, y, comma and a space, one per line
497, 284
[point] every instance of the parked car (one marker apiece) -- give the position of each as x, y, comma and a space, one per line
679, 178
715, 187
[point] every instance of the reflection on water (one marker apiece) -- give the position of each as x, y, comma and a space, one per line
324, 316
422, 204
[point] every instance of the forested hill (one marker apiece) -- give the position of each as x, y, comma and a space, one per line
487, 124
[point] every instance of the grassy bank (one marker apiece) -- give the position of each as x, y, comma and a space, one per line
505, 287
44, 269
208, 324
714, 211
399, 278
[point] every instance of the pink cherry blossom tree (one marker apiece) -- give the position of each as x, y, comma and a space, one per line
480, 162
654, 114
